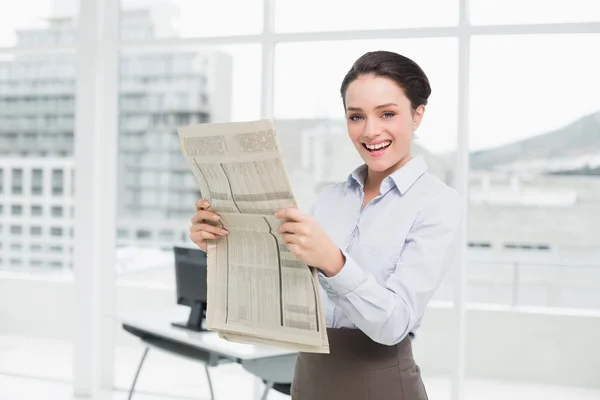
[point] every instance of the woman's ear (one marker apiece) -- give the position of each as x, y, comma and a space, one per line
418, 117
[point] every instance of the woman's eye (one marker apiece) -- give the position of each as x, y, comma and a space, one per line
388, 114
355, 117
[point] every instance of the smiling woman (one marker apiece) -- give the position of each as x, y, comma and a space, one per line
374, 293
385, 96
375, 299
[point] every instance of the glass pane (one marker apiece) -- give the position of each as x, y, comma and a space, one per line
311, 128
189, 18
37, 112
38, 23
159, 92
307, 103
535, 132
534, 184
334, 15
499, 12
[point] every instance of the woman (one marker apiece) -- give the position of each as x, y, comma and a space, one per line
382, 241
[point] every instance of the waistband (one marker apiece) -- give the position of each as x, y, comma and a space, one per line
351, 345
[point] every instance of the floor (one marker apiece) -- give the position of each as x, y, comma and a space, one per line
32, 369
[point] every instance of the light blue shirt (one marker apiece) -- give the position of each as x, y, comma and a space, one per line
397, 249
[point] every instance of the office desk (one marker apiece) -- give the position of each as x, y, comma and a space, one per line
155, 330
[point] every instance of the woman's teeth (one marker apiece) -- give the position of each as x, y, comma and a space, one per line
377, 146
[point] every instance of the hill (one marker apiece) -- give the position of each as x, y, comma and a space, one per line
569, 148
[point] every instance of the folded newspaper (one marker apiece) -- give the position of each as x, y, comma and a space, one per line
258, 291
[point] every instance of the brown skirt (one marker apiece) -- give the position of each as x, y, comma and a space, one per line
357, 368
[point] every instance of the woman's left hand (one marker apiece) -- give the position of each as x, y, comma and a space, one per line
309, 243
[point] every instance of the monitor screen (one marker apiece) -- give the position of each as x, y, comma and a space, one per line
190, 280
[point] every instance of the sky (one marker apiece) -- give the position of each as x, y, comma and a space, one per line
520, 85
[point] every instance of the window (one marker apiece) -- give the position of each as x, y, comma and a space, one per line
17, 182
230, 78
37, 181
57, 211
534, 168
36, 211
143, 234
57, 182
22, 27
339, 15
480, 245
16, 229
495, 12
190, 18
16, 209
35, 231
309, 113
527, 246
55, 249
56, 231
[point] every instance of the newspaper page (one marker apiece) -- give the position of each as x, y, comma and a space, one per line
258, 291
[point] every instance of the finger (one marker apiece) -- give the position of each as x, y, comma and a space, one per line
294, 248
290, 238
290, 227
208, 228
201, 236
204, 215
292, 214
202, 205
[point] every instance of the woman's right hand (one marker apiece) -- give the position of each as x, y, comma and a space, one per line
204, 225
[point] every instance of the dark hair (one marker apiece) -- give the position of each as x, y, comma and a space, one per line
405, 72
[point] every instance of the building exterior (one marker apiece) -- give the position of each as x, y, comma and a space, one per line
158, 92
36, 213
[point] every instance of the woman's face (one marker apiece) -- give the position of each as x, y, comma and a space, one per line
381, 122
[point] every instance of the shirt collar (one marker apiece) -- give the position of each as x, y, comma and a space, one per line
403, 178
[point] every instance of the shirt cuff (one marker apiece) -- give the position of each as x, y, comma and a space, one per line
349, 278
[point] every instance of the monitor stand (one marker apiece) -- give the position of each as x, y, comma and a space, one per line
195, 320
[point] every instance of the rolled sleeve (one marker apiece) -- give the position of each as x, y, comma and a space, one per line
347, 280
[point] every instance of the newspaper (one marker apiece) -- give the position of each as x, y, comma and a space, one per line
258, 291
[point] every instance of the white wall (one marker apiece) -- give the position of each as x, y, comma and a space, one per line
536, 345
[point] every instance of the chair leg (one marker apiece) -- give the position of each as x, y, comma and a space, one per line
210, 386
268, 387
137, 373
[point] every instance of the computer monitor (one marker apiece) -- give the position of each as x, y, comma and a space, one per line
190, 279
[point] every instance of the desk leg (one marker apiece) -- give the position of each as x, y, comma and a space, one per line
212, 394
268, 387
137, 373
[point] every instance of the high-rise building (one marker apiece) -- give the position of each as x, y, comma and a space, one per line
36, 213
159, 91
